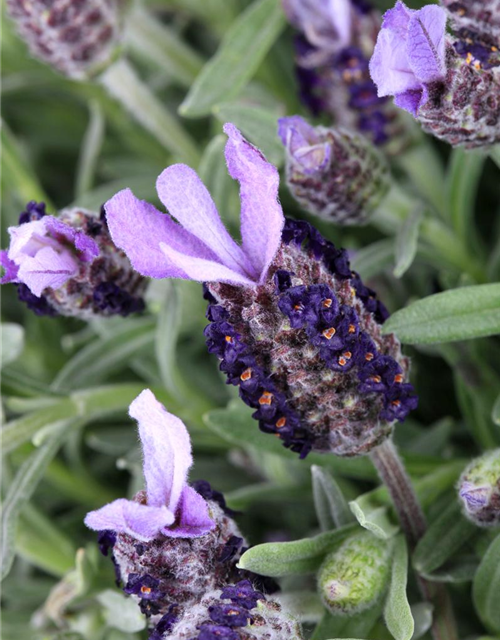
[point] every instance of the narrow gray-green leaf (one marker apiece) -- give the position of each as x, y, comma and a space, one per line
243, 48
121, 612
458, 570
374, 258
486, 587
458, 314
373, 516
277, 559
258, 124
397, 612
442, 539
12, 342
101, 357
407, 242
166, 335
331, 506
422, 617
20, 491
495, 414
90, 149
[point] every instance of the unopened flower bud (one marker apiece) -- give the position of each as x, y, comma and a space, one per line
332, 173
355, 576
173, 542
235, 612
76, 37
449, 83
292, 325
479, 490
69, 265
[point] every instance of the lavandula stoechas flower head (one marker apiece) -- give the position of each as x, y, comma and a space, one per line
449, 83
332, 52
293, 326
172, 542
69, 265
75, 37
333, 173
479, 490
235, 612
354, 576
475, 17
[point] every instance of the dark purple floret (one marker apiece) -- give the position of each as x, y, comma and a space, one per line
39, 305
33, 211
106, 540
231, 549
399, 401
108, 296
215, 631
230, 615
283, 280
144, 586
242, 594
206, 491
166, 623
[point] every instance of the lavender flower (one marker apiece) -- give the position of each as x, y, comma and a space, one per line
78, 38
475, 17
169, 543
293, 326
332, 52
69, 266
233, 613
451, 86
479, 490
332, 173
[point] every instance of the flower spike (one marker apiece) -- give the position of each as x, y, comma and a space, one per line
167, 459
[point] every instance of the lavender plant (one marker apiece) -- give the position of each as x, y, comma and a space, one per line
305, 330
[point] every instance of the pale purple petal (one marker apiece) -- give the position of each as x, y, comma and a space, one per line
10, 267
47, 268
138, 227
87, 247
27, 239
389, 66
140, 521
204, 270
295, 132
340, 13
188, 200
426, 43
475, 497
398, 18
166, 450
194, 518
261, 214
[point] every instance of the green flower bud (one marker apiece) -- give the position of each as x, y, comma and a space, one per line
354, 576
479, 490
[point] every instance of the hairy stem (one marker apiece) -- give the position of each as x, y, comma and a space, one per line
412, 519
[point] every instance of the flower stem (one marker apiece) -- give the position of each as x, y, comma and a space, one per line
393, 474
122, 82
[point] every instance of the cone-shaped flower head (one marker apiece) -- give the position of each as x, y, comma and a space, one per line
69, 265
479, 490
293, 326
332, 173
237, 611
451, 86
76, 37
473, 17
354, 576
172, 542
332, 52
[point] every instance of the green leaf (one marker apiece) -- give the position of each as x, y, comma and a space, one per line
407, 242
458, 314
341, 626
120, 612
236, 425
461, 188
397, 612
460, 569
422, 617
90, 150
20, 491
374, 516
276, 559
166, 336
258, 124
241, 52
104, 356
495, 414
373, 259
486, 587
443, 538
331, 506
12, 342
214, 175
